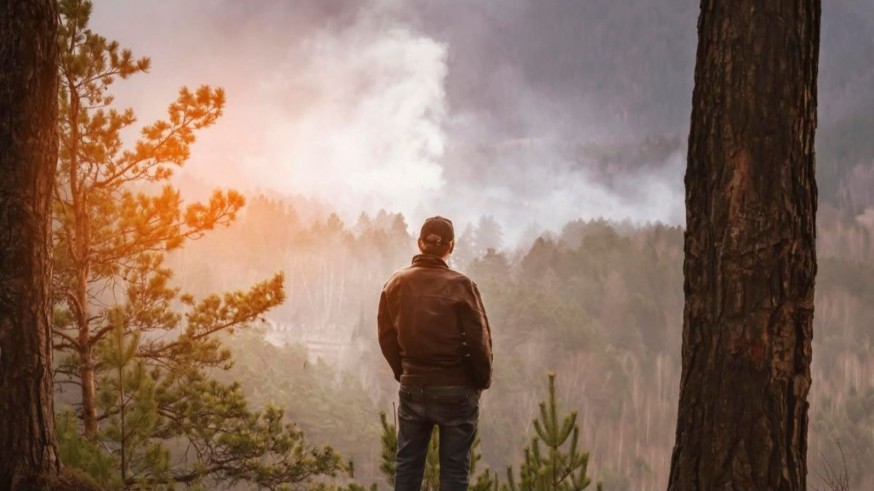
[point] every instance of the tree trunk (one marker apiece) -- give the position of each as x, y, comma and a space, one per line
82, 263
28, 155
86, 358
750, 258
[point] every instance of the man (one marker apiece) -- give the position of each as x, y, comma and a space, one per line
434, 333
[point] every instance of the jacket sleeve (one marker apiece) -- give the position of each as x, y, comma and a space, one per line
388, 337
478, 339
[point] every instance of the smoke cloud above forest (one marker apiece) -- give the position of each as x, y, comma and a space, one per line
532, 112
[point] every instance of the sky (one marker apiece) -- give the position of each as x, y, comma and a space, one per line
426, 107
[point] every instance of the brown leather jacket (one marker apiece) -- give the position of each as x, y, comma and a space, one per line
433, 328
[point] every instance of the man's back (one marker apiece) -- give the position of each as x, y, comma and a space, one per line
432, 326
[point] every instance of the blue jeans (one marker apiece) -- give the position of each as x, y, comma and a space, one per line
455, 410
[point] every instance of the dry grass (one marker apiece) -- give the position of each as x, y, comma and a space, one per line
832, 479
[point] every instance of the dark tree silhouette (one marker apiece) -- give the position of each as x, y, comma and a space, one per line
750, 257
28, 153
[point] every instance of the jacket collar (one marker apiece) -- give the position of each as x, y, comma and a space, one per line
429, 261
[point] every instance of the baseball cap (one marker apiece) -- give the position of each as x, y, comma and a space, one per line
437, 230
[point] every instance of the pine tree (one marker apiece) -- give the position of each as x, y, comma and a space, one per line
85, 455
559, 469
465, 248
489, 235
145, 367
388, 449
103, 228
486, 481
128, 396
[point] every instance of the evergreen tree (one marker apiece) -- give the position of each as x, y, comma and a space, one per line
489, 235
145, 368
492, 269
560, 469
540, 259
486, 481
465, 248
128, 396
104, 230
363, 224
388, 449
85, 455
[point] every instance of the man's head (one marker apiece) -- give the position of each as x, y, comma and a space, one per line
437, 237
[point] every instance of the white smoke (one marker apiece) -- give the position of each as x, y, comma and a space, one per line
347, 102
370, 133
348, 111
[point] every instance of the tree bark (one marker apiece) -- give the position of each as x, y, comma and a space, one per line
750, 259
28, 156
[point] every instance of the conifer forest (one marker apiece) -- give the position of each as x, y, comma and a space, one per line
667, 207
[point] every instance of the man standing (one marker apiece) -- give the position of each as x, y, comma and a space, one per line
435, 335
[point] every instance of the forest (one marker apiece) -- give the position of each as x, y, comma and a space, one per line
599, 303
217, 338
